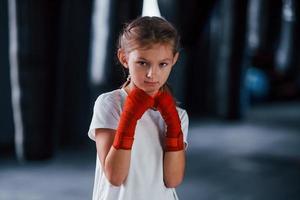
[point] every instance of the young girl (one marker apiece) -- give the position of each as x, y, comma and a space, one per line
140, 134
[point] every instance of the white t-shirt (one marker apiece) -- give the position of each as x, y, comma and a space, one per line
145, 176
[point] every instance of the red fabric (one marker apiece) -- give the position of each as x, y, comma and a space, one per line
167, 107
136, 103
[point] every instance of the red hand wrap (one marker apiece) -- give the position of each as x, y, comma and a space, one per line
167, 107
136, 103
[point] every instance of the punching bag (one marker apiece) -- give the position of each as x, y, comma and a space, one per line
188, 76
35, 23
227, 43
71, 108
256, 23
6, 114
285, 52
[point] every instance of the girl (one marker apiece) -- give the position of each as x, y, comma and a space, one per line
140, 134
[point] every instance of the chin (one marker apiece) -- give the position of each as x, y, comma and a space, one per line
151, 92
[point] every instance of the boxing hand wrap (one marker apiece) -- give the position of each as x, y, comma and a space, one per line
167, 107
136, 103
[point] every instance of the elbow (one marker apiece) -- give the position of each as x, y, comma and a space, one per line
114, 179
173, 182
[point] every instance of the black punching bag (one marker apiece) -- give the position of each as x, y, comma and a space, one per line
256, 25
188, 76
226, 71
284, 56
72, 91
6, 114
36, 22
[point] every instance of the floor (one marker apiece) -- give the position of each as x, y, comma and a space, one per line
255, 159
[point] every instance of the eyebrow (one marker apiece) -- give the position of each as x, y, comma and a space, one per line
166, 59
141, 58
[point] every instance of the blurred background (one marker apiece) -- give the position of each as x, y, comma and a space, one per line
238, 77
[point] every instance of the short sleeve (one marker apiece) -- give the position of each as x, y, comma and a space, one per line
184, 125
106, 114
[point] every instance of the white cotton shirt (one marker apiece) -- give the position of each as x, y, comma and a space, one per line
145, 176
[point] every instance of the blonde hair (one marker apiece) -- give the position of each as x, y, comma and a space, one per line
146, 31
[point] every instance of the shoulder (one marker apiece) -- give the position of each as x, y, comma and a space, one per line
106, 112
182, 113
184, 122
114, 97
110, 96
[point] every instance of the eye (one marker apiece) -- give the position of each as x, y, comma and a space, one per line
162, 65
142, 63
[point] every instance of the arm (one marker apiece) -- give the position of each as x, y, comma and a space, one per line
114, 146
174, 164
174, 156
114, 162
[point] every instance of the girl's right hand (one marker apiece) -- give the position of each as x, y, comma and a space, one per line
135, 105
137, 102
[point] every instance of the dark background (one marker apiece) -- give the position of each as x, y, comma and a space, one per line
239, 63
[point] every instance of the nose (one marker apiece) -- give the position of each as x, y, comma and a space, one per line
152, 71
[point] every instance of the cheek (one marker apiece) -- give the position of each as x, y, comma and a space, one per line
165, 74
136, 74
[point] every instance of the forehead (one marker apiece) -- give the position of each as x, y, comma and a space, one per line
154, 51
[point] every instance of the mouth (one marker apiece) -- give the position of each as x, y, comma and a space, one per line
151, 83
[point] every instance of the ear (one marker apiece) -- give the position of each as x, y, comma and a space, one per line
176, 56
122, 57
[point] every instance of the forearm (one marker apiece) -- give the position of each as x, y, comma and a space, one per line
114, 146
116, 165
174, 165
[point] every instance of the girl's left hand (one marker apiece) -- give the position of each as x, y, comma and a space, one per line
167, 107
